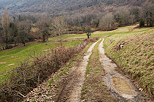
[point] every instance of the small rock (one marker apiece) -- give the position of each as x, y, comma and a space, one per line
83, 101
85, 54
121, 46
144, 95
140, 89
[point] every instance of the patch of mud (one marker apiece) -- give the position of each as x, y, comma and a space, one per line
46, 50
120, 86
11, 64
73, 39
73, 85
2, 62
12, 57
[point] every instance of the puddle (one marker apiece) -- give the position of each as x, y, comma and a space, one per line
120, 86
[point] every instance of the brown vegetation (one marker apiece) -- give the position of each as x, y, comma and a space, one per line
59, 27
5, 25
27, 76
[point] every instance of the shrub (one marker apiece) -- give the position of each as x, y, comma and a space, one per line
28, 76
142, 23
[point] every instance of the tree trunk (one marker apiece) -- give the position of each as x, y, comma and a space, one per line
6, 47
43, 38
60, 39
6, 43
15, 43
60, 42
88, 36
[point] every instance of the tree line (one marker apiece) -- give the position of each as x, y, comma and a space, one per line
24, 28
111, 17
14, 30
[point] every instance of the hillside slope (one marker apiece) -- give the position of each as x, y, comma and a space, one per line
136, 56
58, 6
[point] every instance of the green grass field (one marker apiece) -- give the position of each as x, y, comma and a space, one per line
11, 58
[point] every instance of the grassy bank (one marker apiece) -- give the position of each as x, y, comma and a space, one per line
93, 89
136, 57
12, 58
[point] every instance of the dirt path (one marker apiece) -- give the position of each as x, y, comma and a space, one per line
70, 86
71, 92
120, 86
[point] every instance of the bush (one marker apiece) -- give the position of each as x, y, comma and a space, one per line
28, 76
142, 23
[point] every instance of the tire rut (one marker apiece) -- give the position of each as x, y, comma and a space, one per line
120, 86
72, 85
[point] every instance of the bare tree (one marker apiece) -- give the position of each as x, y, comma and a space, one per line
88, 31
123, 16
5, 25
23, 32
14, 32
23, 37
43, 25
136, 12
147, 15
59, 26
107, 22
1, 39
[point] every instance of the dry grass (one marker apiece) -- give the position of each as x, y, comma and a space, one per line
135, 58
52, 88
28, 76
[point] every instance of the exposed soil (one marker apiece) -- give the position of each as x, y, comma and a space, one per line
65, 87
46, 50
74, 82
69, 87
120, 86
93, 88
11, 64
2, 62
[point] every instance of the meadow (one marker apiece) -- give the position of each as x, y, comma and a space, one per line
12, 58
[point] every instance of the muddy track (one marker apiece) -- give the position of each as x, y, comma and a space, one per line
72, 85
120, 86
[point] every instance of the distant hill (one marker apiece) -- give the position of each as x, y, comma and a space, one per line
58, 6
